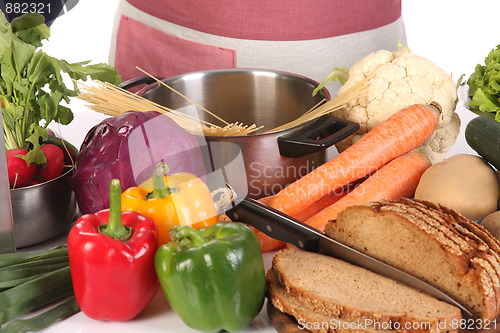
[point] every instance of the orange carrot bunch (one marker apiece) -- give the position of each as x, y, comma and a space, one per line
384, 154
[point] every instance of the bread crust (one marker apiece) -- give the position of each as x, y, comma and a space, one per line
402, 311
482, 256
472, 247
470, 269
317, 322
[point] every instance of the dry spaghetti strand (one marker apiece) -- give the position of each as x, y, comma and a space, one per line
188, 99
111, 100
336, 103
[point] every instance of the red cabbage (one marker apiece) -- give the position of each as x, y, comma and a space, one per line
128, 147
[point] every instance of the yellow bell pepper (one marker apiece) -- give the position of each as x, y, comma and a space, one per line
181, 198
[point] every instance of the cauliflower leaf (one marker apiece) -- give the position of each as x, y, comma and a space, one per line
398, 79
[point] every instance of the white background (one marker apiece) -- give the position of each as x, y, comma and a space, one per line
455, 34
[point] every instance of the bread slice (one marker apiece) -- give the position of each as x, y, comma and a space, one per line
477, 253
431, 242
487, 247
336, 289
311, 320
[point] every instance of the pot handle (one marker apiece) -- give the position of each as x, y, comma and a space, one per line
137, 81
313, 138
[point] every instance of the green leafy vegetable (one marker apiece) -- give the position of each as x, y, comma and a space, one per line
484, 86
340, 74
32, 87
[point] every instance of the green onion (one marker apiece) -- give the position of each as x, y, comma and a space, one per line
35, 293
21, 257
44, 319
4, 285
32, 267
30, 281
29, 272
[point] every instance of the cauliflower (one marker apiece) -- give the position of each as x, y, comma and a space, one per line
396, 80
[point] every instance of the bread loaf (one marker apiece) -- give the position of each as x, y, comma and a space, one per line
311, 286
431, 242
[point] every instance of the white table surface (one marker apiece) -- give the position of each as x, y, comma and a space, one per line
455, 34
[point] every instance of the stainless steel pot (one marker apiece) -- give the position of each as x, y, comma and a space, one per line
43, 211
269, 98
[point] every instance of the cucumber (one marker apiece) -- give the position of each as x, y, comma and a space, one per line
483, 136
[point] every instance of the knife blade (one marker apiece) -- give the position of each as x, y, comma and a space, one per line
287, 229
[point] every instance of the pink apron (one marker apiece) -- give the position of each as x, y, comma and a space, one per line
170, 37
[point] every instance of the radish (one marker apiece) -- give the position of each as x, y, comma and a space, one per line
55, 162
20, 173
35, 181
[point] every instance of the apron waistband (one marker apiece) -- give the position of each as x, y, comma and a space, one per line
277, 20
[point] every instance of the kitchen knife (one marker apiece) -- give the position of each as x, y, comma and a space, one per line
287, 229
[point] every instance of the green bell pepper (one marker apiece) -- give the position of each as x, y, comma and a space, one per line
214, 277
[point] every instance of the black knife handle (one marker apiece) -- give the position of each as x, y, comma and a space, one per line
275, 224
285, 228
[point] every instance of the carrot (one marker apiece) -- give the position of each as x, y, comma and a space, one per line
398, 178
266, 200
268, 243
399, 134
325, 201
319, 205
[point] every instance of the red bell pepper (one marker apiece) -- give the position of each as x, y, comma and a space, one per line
111, 258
